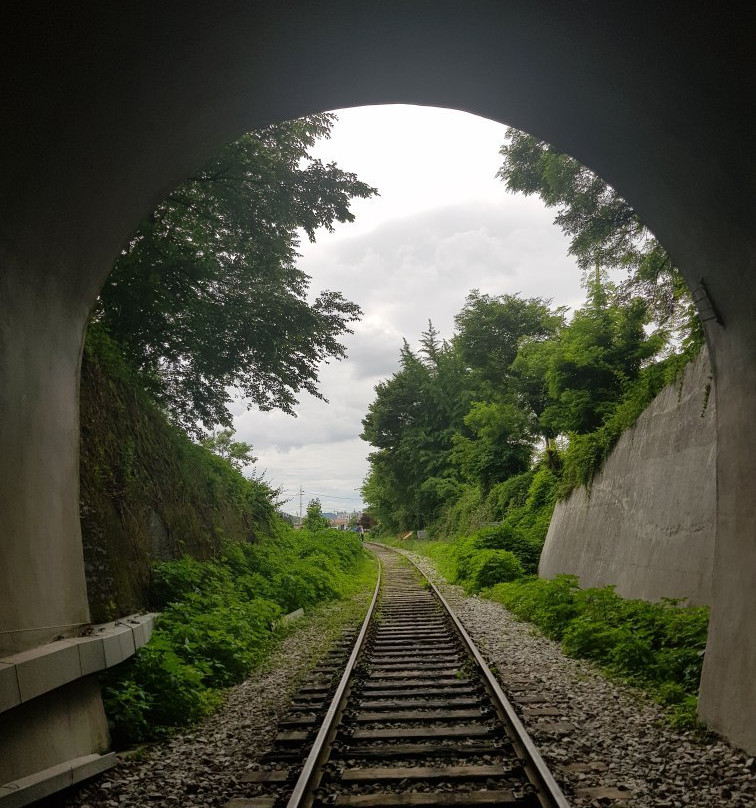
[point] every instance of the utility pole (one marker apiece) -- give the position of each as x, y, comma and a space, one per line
300, 505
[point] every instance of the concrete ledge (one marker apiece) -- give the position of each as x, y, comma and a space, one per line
292, 616
29, 674
42, 784
10, 695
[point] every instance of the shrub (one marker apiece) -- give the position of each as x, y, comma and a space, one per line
659, 645
511, 493
154, 692
218, 623
505, 537
551, 605
491, 567
500, 551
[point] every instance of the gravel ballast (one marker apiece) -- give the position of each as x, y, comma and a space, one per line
607, 743
201, 767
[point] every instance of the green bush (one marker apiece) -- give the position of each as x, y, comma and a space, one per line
490, 556
469, 512
511, 493
505, 537
154, 692
491, 567
658, 645
218, 621
551, 605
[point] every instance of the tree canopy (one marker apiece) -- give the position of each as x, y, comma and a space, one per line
472, 413
314, 519
597, 355
604, 230
523, 402
235, 452
206, 295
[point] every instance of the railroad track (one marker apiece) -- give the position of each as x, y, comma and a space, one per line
415, 719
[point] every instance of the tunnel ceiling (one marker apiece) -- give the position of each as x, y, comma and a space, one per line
115, 104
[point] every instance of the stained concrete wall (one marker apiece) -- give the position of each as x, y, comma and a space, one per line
648, 522
61, 725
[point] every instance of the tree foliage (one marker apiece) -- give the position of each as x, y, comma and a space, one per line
412, 422
604, 230
314, 519
593, 361
490, 331
206, 295
472, 413
448, 416
500, 447
236, 453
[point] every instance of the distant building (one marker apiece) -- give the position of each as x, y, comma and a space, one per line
339, 522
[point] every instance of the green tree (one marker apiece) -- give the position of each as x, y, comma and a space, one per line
490, 331
206, 296
594, 359
236, 453
314, 520
493, 332
604, 230
500, 446
430, 437
411, 422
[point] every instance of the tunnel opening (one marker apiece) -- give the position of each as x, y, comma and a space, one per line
435, 248
81, 173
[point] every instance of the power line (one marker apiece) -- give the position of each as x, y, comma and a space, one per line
328, 496
331, 496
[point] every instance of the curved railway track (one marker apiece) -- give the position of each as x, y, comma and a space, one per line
416, 718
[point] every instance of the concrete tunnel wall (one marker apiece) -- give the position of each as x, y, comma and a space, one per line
648, 520
108, 106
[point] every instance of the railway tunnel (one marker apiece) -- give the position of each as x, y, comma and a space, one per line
108, 106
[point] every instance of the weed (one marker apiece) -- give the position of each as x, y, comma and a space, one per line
217, 624
656, 645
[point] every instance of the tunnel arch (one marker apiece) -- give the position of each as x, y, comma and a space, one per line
108, 106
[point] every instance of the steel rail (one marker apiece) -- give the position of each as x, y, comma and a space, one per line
543, 776
304, 785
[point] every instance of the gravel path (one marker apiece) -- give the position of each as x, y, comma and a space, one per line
201, 767
606, 743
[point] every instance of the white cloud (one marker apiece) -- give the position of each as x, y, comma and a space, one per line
329, 472
442, 226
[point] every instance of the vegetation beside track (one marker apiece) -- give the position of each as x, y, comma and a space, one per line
657, 646
220, 619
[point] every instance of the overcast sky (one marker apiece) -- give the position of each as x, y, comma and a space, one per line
443, 225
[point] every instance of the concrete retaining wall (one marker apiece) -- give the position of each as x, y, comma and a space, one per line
648, 522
